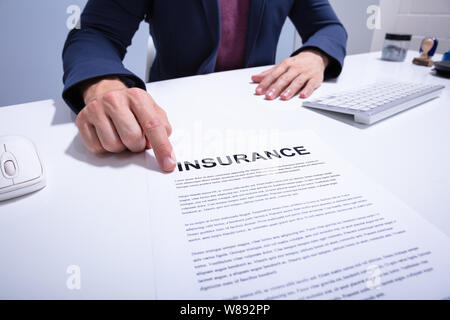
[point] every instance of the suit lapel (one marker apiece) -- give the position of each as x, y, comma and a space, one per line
254, 25
211, 9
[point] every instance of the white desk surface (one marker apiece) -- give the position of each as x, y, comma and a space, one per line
94, 211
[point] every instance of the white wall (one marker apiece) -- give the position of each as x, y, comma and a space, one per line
286, 43
417, 17
353, 14
32, 36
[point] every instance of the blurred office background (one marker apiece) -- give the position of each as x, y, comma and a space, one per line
32, 34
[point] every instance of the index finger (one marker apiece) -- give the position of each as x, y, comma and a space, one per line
154, 128
270, 77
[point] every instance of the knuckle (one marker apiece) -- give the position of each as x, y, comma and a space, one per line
134, 91
164, 113
299, 81
134, 136
283, 79
80, 120
113, 146
162, 146
309, 74
96, 149
93, 112
298, 69
93, 107
111, 97
133, 140
168, 129
267, 81
151, 124
312, 84
137, 93
160, 112
286, 62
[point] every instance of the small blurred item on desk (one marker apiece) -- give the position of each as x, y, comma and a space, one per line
427, 49
446, 56
442, 68
395, 46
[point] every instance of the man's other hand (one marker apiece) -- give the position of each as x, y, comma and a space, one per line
302, 73
117, 118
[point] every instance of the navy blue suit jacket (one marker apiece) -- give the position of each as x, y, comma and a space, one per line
186, 34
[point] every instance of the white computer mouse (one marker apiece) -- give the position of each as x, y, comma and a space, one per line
21, 169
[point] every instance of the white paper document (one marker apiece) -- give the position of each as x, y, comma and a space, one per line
288, 221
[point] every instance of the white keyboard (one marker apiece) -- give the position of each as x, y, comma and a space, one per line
377, 101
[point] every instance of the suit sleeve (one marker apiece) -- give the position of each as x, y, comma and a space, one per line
320, 28
99, 46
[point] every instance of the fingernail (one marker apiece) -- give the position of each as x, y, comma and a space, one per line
259, 90
169, 162
271, 93
286, 93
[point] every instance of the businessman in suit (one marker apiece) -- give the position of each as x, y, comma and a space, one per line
191, 37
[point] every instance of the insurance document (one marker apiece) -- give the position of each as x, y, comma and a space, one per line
289, 221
